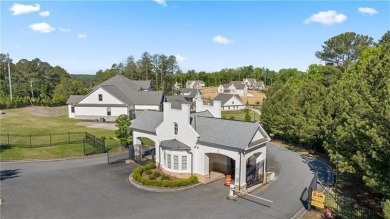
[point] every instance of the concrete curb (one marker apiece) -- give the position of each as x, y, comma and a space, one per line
299, 214
151, 189
54, 159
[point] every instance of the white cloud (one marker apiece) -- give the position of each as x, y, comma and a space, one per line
180, 58
44, 13
161, 2
24, 9
326, 17
82, 35
64, 30
367, 10
221, 40
42, 27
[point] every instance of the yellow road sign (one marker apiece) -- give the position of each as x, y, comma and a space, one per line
318, 199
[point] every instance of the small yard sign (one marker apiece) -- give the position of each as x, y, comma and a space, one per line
318, 199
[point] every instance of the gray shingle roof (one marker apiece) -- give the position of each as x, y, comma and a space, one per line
226, 97
123, 83
146, 97
226, 133
238, 84
192, 92
176, 101
252, 80
131, 92
174, 144
74, 99
147, 121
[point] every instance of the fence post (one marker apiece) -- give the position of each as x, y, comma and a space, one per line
50, 139
84, 145
8, 138
69, 137
30, 141
94, 141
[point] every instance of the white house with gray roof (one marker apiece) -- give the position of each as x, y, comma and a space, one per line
234, 87
190, 94
203, 144
114, 97
230, 101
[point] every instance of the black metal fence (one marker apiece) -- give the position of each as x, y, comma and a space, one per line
91, 144
347, 208
98, 145
41, 140
343, 207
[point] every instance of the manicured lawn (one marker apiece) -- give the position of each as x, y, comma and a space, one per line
23, 123
240, 115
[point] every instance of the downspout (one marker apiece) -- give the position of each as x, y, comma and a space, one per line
159, 156
239, 175
192, 162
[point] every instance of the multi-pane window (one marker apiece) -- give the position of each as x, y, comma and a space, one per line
100, 97
72, 109
165, 159
184, 162
169, 161
175, 128
175, 162
108, 111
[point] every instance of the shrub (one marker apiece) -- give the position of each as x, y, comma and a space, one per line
164, 177
156, 174
165, 180
386, 209
257, 102
232, 117
148, 172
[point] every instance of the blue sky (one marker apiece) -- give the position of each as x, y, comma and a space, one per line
86, 36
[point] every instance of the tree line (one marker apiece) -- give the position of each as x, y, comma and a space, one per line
36, 82
342, 108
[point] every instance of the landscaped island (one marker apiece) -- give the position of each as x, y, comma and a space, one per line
148, 175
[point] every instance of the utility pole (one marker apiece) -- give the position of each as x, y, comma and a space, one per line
9, 78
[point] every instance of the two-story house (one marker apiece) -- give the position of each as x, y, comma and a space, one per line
195, 84
234, 87
253, 84
114, 97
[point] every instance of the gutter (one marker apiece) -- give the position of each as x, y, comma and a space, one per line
192, 162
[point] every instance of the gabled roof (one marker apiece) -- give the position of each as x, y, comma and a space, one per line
74, 99
123, 83
130, 92
147, 121
225, 133
174, 144
252, 80
176, 101
192, 92
226, 97
237, 84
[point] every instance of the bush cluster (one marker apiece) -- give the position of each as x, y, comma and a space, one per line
165, 180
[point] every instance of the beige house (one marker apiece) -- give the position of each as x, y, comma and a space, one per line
234, 87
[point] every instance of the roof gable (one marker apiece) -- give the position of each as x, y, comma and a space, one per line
224, 98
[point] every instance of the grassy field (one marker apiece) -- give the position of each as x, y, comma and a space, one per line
240, 115
42, 121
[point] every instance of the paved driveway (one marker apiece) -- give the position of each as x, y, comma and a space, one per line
89, 188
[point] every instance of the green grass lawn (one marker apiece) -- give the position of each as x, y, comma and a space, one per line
21, 122
240, 115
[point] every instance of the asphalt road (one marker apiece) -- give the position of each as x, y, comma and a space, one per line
89, 188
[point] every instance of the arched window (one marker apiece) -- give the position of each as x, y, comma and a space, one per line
175, 128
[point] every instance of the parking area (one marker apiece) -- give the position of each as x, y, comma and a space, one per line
90, 188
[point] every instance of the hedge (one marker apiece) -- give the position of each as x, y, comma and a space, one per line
137, 176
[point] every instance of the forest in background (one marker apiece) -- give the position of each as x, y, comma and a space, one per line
341, 108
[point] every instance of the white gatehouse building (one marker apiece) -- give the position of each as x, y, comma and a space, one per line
201, 143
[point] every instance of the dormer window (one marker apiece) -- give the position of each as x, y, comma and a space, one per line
175, 128
100, 97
